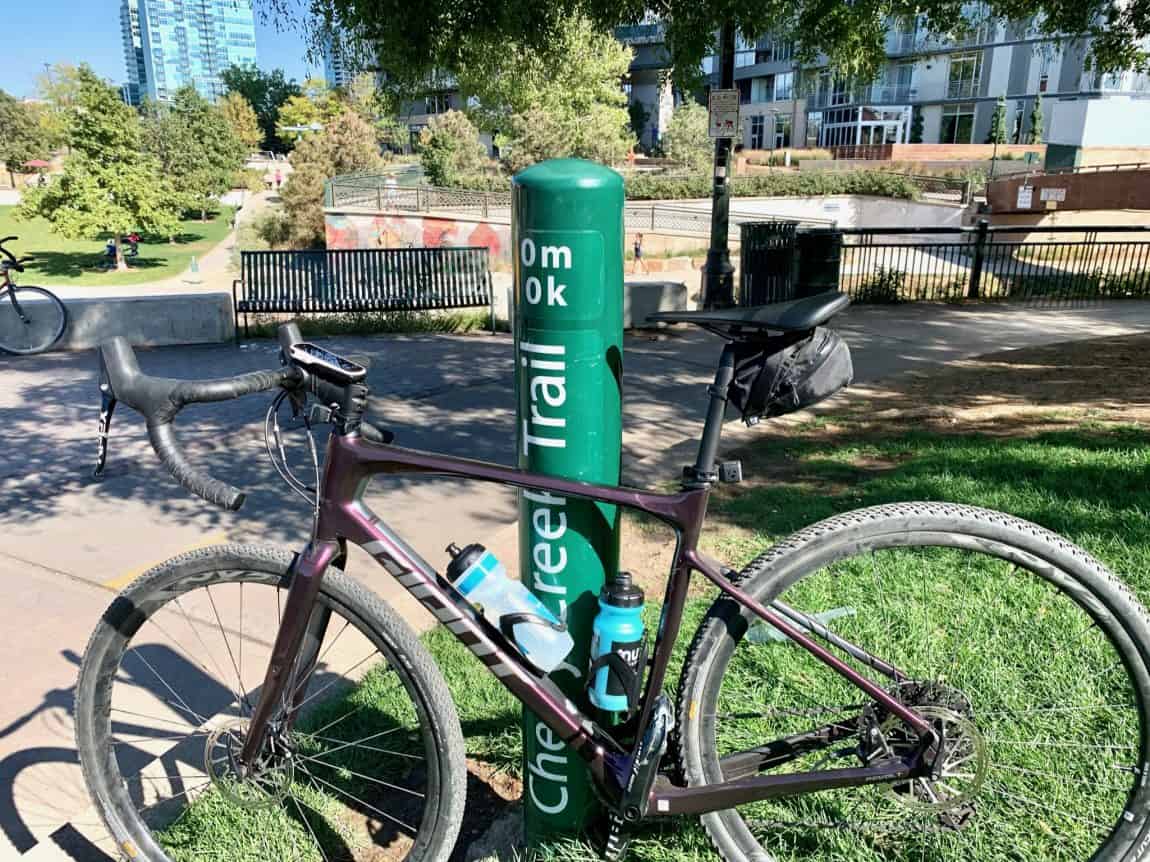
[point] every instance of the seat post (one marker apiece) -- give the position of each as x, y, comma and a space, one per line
703, 472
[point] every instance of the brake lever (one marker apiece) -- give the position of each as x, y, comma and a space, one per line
107, 407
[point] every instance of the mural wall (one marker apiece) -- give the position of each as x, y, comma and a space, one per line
360, 230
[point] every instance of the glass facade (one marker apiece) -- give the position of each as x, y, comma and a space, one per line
189, 42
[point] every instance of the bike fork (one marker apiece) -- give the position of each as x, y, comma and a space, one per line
300, 636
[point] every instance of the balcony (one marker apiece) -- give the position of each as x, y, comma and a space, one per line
967, 89
640, 34
874, 94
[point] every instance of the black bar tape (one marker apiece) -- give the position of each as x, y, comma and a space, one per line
201, 484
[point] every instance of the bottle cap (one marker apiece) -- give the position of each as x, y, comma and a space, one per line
621, 592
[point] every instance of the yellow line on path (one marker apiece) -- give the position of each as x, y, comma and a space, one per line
127, 578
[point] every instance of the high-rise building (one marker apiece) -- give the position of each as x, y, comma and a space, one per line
172, 43
133, 51
339, 69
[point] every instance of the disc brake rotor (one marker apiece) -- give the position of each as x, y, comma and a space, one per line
266, 783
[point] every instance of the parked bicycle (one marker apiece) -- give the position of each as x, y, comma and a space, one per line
32, 319
918, 681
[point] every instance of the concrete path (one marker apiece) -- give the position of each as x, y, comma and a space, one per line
67, 543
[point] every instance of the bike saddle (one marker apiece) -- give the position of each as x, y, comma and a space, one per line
795, 315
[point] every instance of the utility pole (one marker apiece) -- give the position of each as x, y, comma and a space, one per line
718, 274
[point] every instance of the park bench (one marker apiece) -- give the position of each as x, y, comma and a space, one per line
354, 280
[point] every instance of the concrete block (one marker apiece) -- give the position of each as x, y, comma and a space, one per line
641, 298
149, 321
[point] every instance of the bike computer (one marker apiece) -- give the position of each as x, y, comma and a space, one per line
326, 364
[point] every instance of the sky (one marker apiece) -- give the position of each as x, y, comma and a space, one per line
76, 31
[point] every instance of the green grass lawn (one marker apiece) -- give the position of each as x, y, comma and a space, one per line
61, 261
1087, 482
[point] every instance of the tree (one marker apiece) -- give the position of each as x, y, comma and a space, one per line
316, 105
21, 136
346, 145
638, 117
916, 124
686, 139
196, 148
59, 88
997, 134
449, 148
1035, 136
245, 125
601, 133
265, 92
410, 40
110, 185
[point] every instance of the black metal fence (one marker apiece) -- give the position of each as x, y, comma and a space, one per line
905, 264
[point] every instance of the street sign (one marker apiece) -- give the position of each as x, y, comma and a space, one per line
723, 110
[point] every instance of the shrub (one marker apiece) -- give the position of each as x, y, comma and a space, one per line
248, 178
885, 287
877, 183
449, 147
686, 140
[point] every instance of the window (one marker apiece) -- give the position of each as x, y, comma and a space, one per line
744, 88
965, 70
762, 89
757, 132
1042, 81
775, 52
784, 86
782, 131
438, 103
957, 123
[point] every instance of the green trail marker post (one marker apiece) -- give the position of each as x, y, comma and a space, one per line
567, 233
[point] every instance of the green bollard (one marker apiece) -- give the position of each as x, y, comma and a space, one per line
567, 230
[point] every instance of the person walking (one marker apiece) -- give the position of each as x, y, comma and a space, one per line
133, 244
638, 249
279, 178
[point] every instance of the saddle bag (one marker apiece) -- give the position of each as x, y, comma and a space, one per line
786, 373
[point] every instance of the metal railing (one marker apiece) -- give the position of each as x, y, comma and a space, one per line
1009, 263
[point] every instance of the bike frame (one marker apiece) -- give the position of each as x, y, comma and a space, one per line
343, 517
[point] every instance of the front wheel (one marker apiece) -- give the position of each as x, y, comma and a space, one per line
31, 320
371, 767
1027, 655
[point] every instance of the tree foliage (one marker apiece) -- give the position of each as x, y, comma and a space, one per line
686, 139
346, 145
316, 105
196, 148
239, 114
58, 87
411, 40
110, 184
449, 148
1036, 121
916, 125
602, 133
265, 92
21, 136
998, 133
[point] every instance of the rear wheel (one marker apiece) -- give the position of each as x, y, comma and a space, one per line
31, 320
1022, 650
372, 768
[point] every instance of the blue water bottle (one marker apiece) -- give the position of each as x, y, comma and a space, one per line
618, 648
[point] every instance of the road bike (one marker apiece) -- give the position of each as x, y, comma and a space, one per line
31, 319
914, 681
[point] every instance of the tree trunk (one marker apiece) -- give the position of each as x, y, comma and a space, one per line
121, 263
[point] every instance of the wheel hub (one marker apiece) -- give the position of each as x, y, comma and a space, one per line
264, 783
960, 758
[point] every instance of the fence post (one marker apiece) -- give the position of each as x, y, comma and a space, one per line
979, 255
378, 198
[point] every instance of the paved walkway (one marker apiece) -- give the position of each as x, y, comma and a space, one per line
66, 542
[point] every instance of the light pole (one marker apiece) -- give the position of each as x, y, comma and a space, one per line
718, 274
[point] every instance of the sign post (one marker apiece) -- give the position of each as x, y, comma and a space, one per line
718, 273
567, 232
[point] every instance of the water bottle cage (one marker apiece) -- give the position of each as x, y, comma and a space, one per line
508, 622
629, 678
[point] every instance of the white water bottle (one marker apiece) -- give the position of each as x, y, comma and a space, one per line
509, 606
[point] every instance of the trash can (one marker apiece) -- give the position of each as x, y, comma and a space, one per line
818, 256
766, 262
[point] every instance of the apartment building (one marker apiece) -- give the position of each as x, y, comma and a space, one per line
939, 90
169, 44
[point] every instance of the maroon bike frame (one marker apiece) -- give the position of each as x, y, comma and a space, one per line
343, 517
